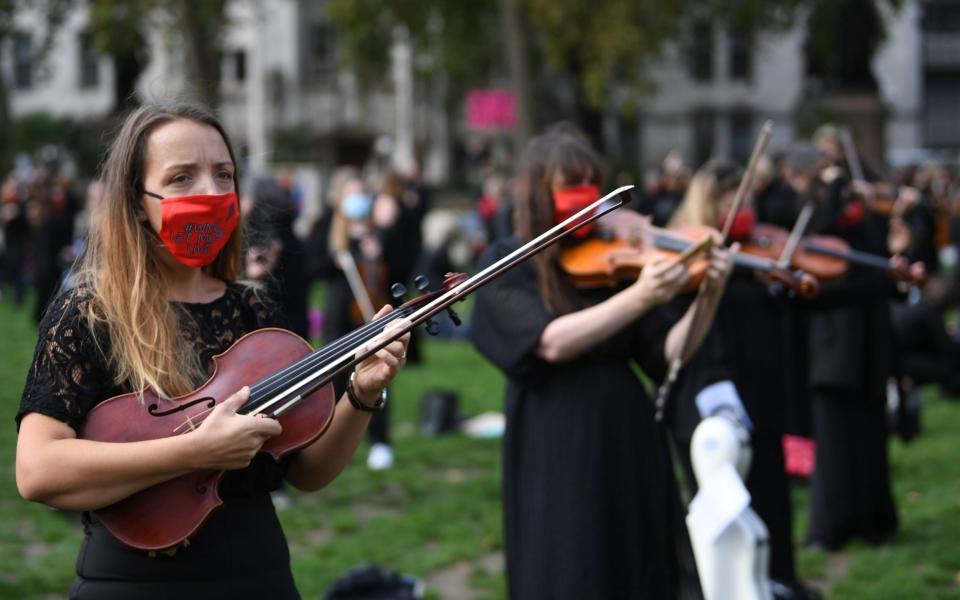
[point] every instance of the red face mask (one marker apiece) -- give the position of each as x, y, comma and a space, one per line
570, 200
195, 228
742, 226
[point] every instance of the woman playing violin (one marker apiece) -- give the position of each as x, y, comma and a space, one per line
751, 341
157, 297
591, 508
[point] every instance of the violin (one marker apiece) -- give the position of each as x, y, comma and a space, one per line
602, 262
823, 256
288, 381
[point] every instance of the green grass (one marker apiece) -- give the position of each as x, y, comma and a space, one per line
438, 510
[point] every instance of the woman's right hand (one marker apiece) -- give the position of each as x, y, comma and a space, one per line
660, 280
226, 441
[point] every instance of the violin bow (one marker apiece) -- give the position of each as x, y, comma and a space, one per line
360, 294
350, 356
850, 151
676, 365
793, 242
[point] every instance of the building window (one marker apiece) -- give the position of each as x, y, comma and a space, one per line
321, 52
741, 124
22, 61
703, 136
700, 51
89, 62
740, 55
240, 66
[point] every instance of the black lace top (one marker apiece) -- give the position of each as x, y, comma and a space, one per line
240, 551
70, 373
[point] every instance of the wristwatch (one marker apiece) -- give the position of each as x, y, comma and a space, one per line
355, 401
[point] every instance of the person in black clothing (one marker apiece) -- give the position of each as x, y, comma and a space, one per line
150, 310
851, 357
928, 352
16, 236
51, 208
591, 508
749, 345
347, 238
276, 255
775, 201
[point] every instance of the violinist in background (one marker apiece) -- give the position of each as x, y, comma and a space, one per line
356, 247
276, 255
749, 344
850, 358
662, 196
154, 302
774, 200
591, 508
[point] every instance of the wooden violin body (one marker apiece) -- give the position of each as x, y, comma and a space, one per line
164, 515
606, 263
599, 262
768, 241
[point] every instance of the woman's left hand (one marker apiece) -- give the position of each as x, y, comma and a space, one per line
376, 372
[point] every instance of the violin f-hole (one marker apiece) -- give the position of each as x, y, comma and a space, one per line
154, 411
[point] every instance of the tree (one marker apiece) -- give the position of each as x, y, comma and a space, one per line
53, 12
594, 45
118, 27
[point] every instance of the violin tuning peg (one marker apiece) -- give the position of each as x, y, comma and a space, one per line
432, 327
398, 291
454, 316
421, 282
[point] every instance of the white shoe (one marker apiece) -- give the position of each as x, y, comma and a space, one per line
380, 457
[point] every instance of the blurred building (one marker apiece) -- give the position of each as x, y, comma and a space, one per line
285, 97
713, 93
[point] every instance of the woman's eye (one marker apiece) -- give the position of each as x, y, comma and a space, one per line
225, 175
181, 178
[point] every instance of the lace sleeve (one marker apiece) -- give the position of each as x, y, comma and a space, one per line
68, 376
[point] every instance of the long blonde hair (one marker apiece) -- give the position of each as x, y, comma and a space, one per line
706, 189
339, 238
122, 268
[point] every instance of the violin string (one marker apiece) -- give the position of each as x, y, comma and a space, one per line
256, 390
450, 296
303, 365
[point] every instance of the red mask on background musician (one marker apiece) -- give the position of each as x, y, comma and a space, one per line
742, 227
195, 228
569, 200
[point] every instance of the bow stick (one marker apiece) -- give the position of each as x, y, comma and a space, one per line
745, 182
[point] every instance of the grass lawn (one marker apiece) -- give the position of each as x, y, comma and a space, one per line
437, 515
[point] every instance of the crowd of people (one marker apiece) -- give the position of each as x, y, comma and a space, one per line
592, 505
840, 369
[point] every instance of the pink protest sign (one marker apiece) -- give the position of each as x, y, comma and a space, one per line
491, 109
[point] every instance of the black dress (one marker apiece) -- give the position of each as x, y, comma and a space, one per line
748, 344
591, 508
240, 552
851, 356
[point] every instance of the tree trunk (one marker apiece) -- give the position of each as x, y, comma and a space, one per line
6, 123
516, 44
127, 67
201, 26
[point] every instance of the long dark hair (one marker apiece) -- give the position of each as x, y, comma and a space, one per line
560, 153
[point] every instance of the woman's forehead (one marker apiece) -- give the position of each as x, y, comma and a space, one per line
185, 142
